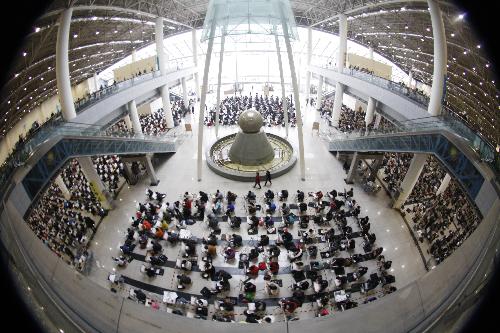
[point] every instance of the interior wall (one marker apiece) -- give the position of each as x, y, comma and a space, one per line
128, 71
378, 68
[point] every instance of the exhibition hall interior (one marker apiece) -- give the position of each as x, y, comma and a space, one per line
250, 166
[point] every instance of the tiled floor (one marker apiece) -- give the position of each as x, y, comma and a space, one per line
323, 172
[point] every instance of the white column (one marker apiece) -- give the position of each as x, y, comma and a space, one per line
184, 92
411, 177
370, 52
444, 184
160, 53
342, 42
337, 103
62, 66
440, 58
162, 64
96, 82
219, 78
128, 122
95, 181
296, 98
194, 42
378, 118
151, 171
134, 116
339, 88
370, 110
309, 56
203, 98
320, 92
62, 186
165, 98
282, 80
133, 55
410, 79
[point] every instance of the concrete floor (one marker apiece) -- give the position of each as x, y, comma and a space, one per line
324, 172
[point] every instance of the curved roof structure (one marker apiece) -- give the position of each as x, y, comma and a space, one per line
105, 31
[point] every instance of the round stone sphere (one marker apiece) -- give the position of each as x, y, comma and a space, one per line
250, 121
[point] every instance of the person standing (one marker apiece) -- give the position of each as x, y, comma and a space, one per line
268, 178
257, 180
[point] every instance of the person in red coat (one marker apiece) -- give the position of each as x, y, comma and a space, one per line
257, 180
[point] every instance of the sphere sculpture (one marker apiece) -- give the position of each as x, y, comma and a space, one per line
251, 145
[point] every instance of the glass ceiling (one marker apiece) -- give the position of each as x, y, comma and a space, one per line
252, 58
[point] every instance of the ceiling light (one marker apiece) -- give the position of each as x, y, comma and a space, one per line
75, 35
97, 32
116, 31
461, 16
24, 54
478, 46
37, 29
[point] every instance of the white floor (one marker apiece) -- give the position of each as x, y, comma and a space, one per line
323, 172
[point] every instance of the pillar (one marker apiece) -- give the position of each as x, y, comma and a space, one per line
309, 56
134, 116
440, 58
370, 110
184, 92
62, 186
370, 52
194, 42
96, 184
203, 98
342, 42
165, 98
411, 177
375, 166
410, 79
282, 81
62, 66
219, 78
378, 118
337, 103
151, 171
162, 64
133, 55
320, 92
96, 82
444, 184
296, 98
128, 122
352, 169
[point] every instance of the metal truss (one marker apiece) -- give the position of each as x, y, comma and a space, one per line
456, 161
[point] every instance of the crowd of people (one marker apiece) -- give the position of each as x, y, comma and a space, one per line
271, 109
154, 123
82, 196
395, 166
66, 225
111, 169
444, 220
360, 69
428, 182
331, 227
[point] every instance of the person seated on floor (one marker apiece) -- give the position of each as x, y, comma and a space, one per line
268, 319
229, 253
288, 305
320, 284
282, 195
268, 220
302, 207
230, 209
186, 265
272, 288
235, 240
252, 210
188, 249
274, 267
121, 261
285, 209
274, 251
231, 197
302, 285
295, 255
234, 222
150, 271
222, 285
182, 281
332, 194
251, 317
203, 196
270, 207
207, 270
300, 196
225, 305
210, 250
269, 195
264, 240
251, 196
217, 207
